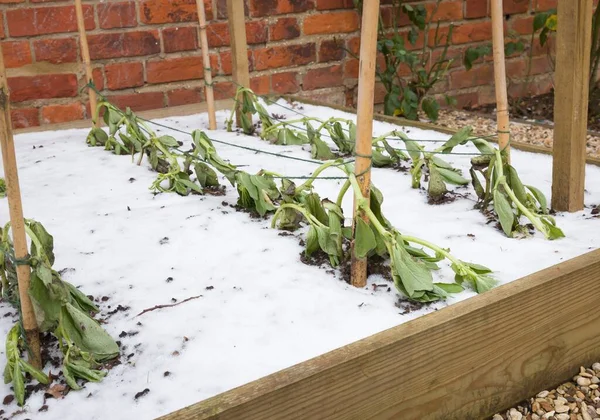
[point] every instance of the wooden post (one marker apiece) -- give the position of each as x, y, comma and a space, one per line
500, 77
15, 209
571, 92
239, 46
85, 55
364, 121
208, 89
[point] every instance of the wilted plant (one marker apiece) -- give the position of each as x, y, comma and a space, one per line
60, 308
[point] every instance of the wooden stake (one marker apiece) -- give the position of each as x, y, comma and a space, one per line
239, 46
500, 77
85, 55
571, 93
208, 89
15, 208
364, 124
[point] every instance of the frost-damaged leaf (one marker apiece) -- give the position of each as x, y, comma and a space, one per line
413, 149
516, 185
540, 197
206, 176
477, 184
81, 300
313, 204
459, 137
18, 383
97, 137
413, 276
436, 187
87, 334
450, 287
504, 211
452, 177
46, 240
364, 241
35, 373
553, 231
312, 241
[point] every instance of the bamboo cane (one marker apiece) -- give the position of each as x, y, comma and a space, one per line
239, 49
500, 77
85, 55
364, 124
15, 208
208, 88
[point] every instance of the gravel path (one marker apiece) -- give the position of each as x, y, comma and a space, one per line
578, 399
521, 132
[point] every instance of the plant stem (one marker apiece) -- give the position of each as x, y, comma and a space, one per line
342, 193
433, 247
309, 217
535, 220
308, 183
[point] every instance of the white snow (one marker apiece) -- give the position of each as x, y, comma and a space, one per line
267, 310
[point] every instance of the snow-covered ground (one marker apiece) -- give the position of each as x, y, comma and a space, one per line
261, 309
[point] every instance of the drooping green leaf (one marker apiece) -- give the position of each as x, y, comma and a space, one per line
364, 241
312, 241
87, 334
452, 177
540, 197
413, 275
504, 211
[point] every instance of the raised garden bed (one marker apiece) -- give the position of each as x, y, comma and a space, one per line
257, 308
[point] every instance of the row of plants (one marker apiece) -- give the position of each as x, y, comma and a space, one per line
60, 309
412, 260
499, 189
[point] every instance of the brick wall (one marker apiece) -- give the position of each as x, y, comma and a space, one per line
145, 53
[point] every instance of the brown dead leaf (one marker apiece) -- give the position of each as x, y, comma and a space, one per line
57, 391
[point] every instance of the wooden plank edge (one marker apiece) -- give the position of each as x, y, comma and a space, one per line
174, 111
469, 360
525, 147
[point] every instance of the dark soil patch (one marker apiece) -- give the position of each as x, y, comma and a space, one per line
408, 306
541, 108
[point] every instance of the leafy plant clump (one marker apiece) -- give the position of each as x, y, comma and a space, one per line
60, 308
411, 266
406, 97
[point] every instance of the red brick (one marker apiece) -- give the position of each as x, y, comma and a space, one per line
24, 117
124, 75
52, 114
16, 53
333, 22
141, 101
543, 5
46, 20
471, 32
224, 90
180, 39
515, 6
447, 10
284, 56
354, 45
323, 77
227, 65
351, 68
218, 33
174, 69
117, 15
278, 7
476, 8
222, 9
55, 50
172, 11
98, 77
284, 28
2, 35
477, 76
128, 44
45, 86
331, 50
286, 82
522, 25
184, 96
334, 4
261, 85
468, 99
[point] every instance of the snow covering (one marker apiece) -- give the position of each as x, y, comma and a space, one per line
261, 309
